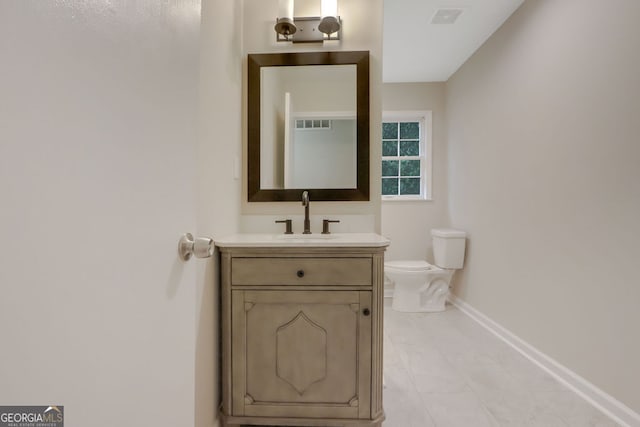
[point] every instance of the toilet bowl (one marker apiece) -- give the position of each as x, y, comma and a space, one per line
419, 286
422, 287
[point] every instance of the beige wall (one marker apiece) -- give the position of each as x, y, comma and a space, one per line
362, 31
544, 151
408, 224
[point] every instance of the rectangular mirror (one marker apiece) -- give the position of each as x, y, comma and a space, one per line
308, 126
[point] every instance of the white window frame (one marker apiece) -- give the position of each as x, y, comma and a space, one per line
426, 157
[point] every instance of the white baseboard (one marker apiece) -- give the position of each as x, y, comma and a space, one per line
604, 402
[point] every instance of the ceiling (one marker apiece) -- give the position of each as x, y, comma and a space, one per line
416, 50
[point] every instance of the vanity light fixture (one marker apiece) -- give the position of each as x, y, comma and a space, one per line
308, 28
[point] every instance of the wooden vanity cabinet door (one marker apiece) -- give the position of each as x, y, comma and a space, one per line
301, 353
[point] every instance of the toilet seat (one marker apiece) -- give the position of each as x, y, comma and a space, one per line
410, 266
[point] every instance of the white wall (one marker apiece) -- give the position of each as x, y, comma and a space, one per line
408, 224
324, 158
98, 121
362, 30
316, 88
218, 207
543, 134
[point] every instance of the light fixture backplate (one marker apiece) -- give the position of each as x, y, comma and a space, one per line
308, 32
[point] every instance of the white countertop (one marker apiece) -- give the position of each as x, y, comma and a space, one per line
305, 240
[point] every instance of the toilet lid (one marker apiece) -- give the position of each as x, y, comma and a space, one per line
409, 265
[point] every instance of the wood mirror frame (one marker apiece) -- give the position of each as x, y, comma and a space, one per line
255, 62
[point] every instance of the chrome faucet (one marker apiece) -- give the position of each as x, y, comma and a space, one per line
305, 203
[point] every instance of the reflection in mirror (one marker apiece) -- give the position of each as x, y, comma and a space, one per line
323, 157
308, 126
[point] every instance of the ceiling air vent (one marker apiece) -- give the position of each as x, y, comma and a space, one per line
446, 16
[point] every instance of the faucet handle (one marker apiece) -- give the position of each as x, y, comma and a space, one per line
325, 225
287, 222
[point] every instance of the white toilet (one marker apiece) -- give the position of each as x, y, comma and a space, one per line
420, 286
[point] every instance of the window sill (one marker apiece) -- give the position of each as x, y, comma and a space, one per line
407, 199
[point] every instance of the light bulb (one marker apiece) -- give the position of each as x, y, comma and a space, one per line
329, 8
285, 9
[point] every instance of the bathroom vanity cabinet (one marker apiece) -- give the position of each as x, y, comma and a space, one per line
302, 332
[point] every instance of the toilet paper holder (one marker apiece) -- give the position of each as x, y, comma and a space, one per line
201, 247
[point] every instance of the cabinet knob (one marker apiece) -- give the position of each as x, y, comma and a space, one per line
300, 273
366, 311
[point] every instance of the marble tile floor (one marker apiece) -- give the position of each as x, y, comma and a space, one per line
445, 370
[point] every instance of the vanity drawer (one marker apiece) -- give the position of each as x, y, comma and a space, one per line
301, 271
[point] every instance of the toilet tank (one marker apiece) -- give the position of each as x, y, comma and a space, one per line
448, 247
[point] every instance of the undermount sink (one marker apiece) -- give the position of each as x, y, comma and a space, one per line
305, 237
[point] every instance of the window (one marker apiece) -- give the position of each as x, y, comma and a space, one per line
406, 156
313, 124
